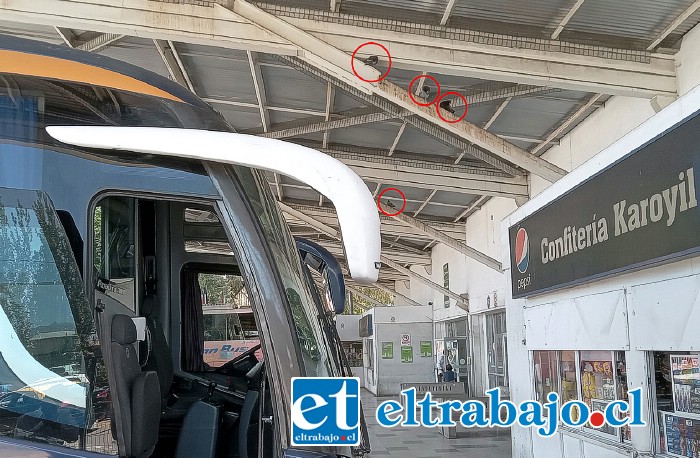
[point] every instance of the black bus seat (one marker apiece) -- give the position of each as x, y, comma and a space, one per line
160, 361
200, 431
138, 392
139, 403
247, 436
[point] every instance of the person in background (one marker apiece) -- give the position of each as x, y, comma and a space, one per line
440, 366
449, 375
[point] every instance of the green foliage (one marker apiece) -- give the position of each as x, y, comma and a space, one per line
222, 289
360, 305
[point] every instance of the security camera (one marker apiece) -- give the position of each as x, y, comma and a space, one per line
430, 303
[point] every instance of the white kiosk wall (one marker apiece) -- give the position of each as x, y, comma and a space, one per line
394, 363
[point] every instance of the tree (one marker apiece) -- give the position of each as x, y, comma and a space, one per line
360, 305
222, 289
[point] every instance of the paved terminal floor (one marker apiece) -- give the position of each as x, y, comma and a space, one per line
429, 442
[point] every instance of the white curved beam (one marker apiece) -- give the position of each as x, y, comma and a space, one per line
356, 209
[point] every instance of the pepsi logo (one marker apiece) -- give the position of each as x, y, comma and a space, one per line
522, 250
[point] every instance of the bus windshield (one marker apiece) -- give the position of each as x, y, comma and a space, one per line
312, 341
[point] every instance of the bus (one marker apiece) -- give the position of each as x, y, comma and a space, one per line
136, 229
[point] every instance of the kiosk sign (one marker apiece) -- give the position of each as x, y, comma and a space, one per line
639, 211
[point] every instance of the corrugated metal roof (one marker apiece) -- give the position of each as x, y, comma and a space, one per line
218, 73
377, 135
452, 198
287, 87
415, 141
137, 51
440, 212
538, 13
343, 102
480, 114
639, 19
418, 6
241, 118
531, 117
31, 31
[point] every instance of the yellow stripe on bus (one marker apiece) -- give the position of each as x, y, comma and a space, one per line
67, 70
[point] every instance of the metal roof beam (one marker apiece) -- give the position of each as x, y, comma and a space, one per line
333, 61
449, 241
674, 25
173, 21
302, 201
495, 91
448, 11
461, 303
437, 128
499, 110
100, 42
476, 205
397, 255
566, 123
66, 35
189, 23
389, 224
565, 20
425, 202
192, 23
397, 139
529, 63
236, 103
349, 119
259, 86
172, 61
321, 227
280, 193
330, 100
430, 175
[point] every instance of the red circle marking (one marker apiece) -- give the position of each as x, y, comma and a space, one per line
410, 90
342, 438
379, 205
466, 106
352, 61
597, 419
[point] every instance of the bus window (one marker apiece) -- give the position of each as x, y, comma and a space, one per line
114, 223
229, 323
44, 318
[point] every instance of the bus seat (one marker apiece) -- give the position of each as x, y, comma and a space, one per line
160, 361
250, 409
138, 392
200, 431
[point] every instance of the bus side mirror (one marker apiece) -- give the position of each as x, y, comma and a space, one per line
320, 260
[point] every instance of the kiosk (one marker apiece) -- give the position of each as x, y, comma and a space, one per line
603, 272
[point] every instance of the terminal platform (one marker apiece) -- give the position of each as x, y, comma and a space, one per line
430, 442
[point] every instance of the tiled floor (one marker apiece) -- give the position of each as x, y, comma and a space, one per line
429, 442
